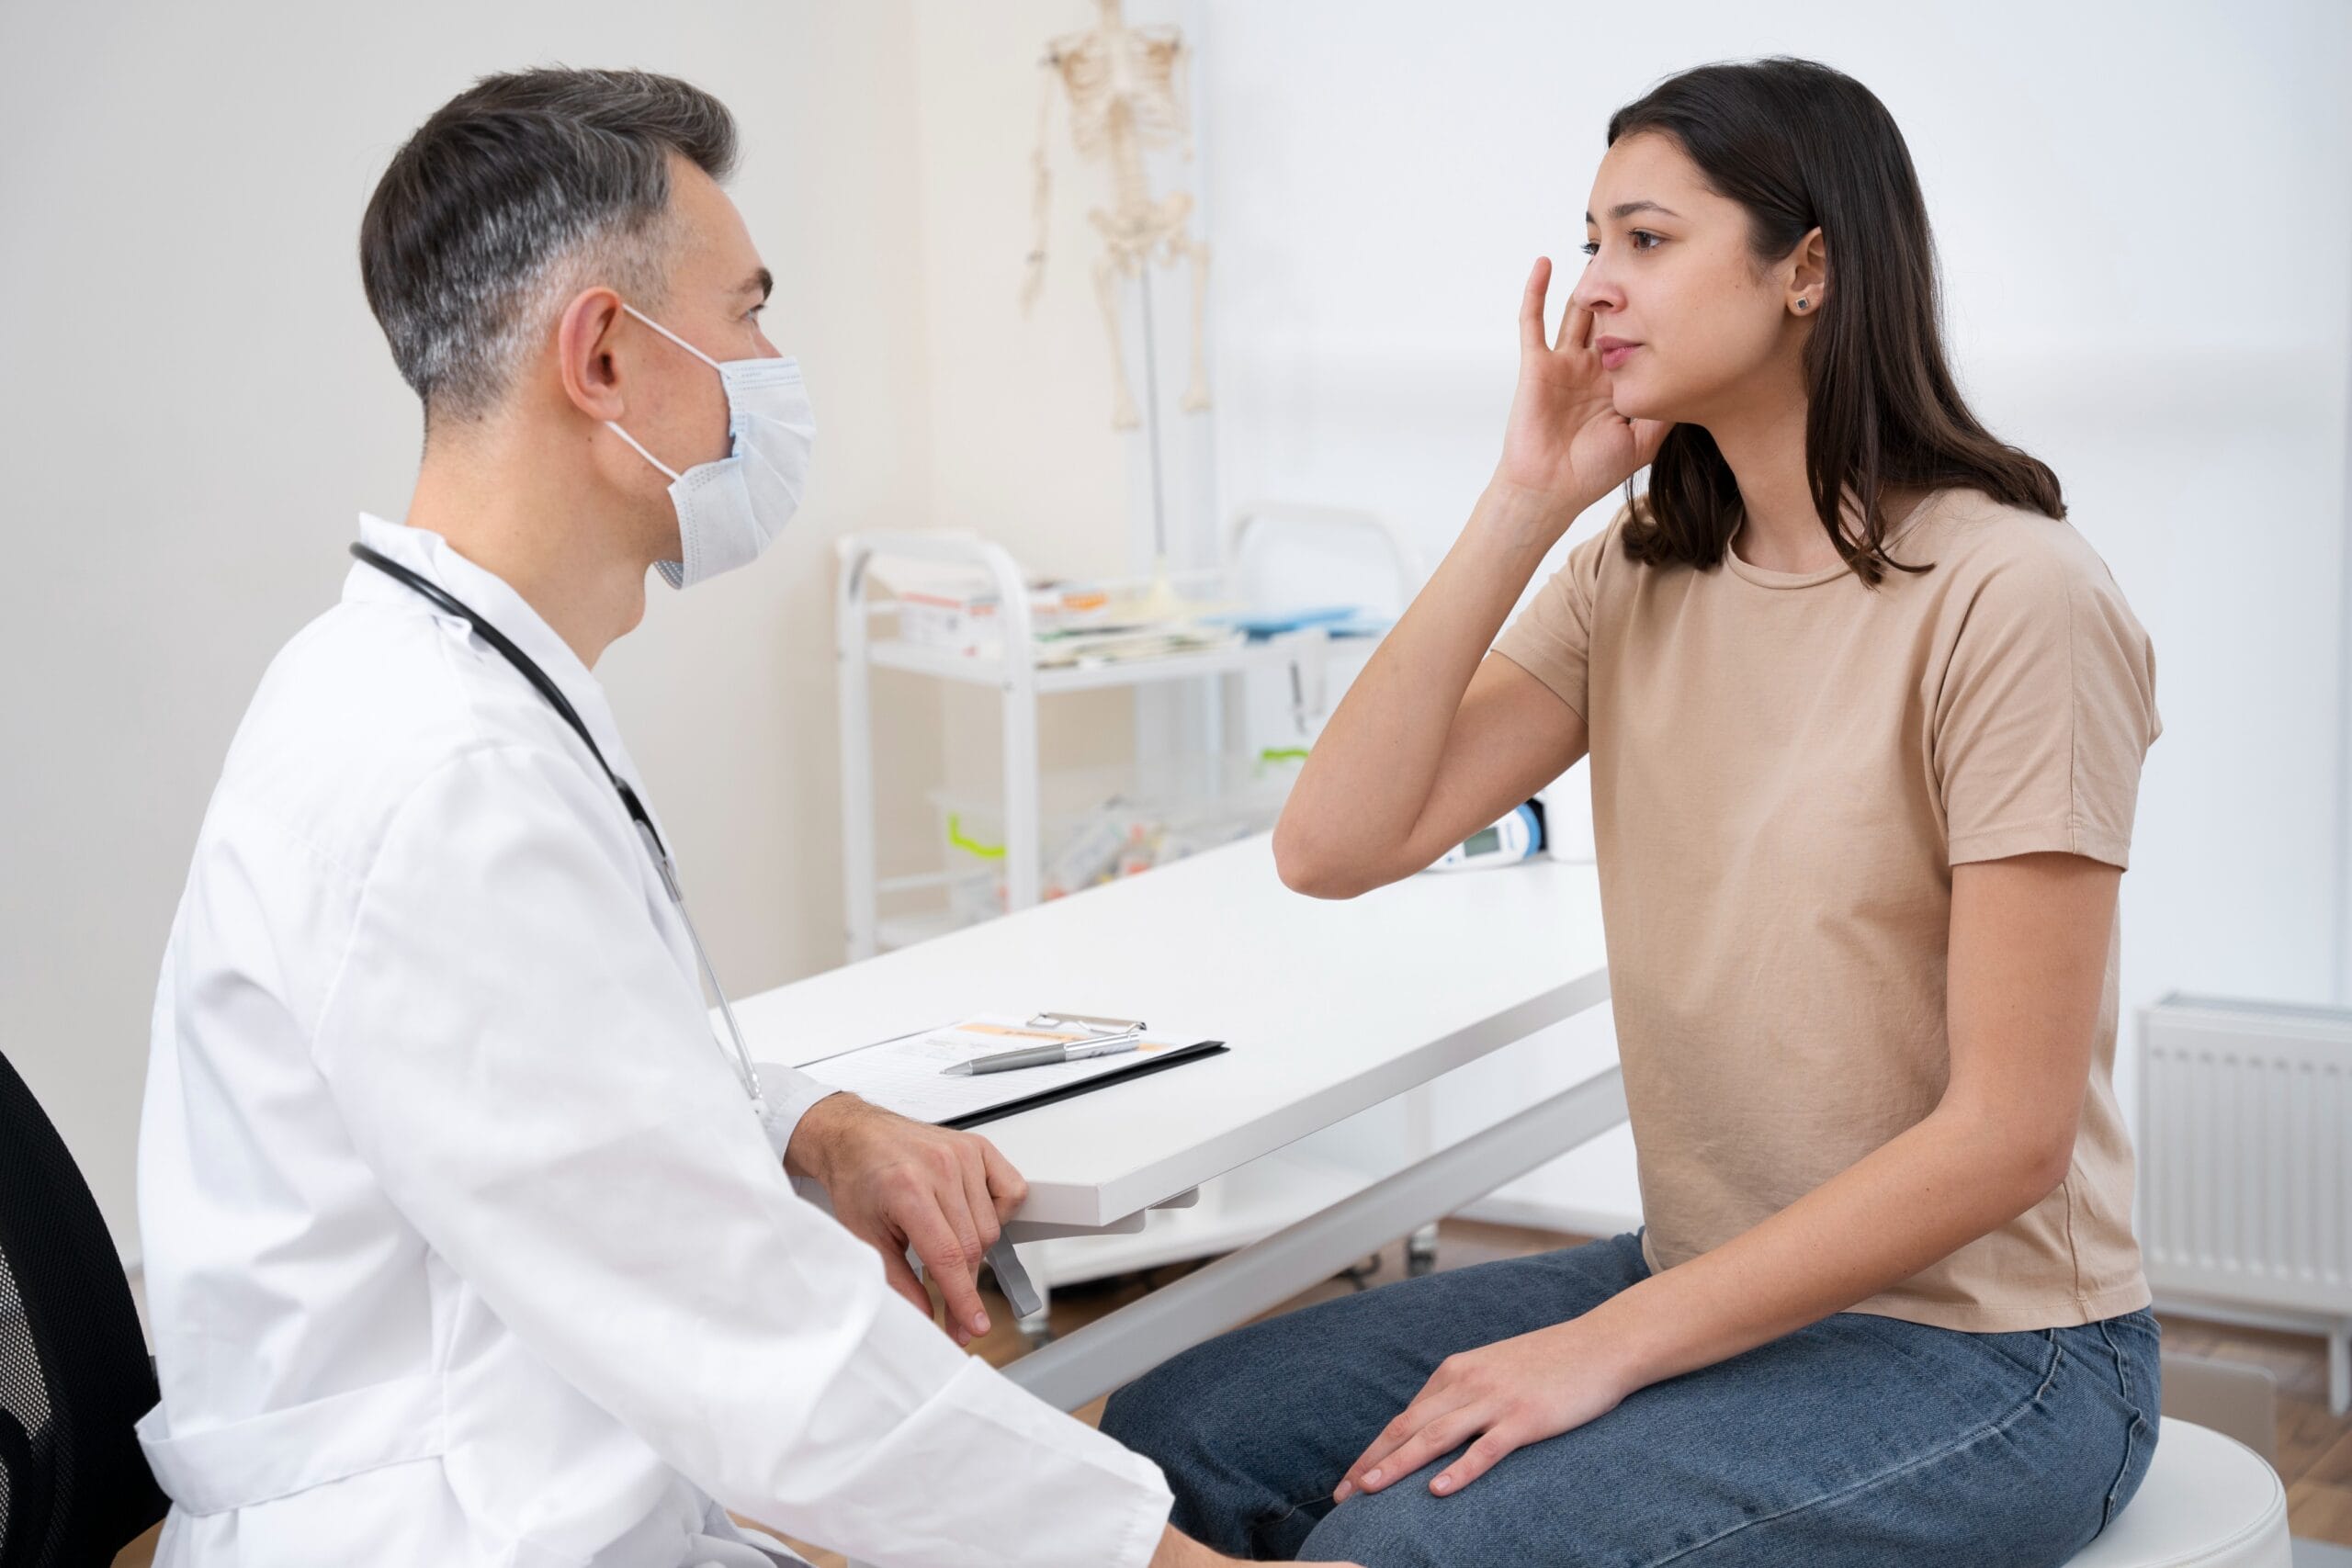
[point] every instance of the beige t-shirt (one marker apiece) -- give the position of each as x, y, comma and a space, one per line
1785, 766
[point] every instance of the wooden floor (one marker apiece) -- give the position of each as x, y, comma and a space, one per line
2314, 1448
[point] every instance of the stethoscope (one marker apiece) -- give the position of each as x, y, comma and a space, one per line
441, 598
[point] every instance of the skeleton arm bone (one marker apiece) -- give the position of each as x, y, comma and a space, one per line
1180, 92
1041, 186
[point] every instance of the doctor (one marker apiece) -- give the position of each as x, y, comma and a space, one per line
466, 1242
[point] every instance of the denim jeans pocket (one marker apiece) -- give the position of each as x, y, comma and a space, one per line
2033, 1350
2129, 1346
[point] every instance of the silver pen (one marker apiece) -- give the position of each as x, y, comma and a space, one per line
1045, 1055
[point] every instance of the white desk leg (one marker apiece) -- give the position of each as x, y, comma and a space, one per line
1420, 1251
1037, 1328
1421, 1122
1115, 1350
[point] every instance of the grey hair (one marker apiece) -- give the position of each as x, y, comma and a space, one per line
521, 190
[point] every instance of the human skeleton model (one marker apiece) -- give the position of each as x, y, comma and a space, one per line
1125, 91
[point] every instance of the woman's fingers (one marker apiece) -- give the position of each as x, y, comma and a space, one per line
1531, 307
1576, 328
1431, 1404
1441, 1435
1476, 1460
1392, 1437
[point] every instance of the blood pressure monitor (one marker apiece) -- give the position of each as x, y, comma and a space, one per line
1517, 837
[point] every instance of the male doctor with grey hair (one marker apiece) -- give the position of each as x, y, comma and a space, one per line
464, 1245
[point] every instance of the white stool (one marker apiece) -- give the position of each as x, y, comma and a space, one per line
2208, 1502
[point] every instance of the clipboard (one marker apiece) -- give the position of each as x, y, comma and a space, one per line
902, 1074
1125, 1073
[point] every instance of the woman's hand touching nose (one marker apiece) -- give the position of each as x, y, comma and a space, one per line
1564, 439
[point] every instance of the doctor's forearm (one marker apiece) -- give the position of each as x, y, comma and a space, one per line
1954, 1176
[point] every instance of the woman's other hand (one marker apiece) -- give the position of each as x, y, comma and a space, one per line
1496, 1398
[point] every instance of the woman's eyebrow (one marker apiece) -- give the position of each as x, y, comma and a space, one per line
1628, 208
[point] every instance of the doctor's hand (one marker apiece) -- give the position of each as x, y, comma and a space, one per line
1503, 1396
896, 1183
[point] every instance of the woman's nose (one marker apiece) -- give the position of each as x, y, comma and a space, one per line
1595, 290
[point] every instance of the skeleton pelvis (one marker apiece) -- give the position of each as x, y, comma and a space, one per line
1141, 226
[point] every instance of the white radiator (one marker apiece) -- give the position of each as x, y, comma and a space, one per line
2246, 1163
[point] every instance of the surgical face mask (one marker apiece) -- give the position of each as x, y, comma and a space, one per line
731, 509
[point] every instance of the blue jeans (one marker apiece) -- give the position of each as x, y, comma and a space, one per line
1858, 1442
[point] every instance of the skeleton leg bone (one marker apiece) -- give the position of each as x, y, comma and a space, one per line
1107, 270
1196, 395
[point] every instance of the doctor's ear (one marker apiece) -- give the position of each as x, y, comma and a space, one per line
584, 337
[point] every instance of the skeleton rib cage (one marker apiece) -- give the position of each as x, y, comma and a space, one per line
1126, 90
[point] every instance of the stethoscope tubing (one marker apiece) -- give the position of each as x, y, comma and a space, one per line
442, 599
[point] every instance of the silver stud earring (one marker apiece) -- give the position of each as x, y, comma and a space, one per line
1800, 304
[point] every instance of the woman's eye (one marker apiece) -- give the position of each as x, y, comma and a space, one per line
1644, 240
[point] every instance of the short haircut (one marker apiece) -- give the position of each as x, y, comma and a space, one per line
521, 190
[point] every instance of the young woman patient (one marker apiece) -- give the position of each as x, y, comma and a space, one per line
1865, 717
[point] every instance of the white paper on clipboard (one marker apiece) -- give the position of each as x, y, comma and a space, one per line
905, 1075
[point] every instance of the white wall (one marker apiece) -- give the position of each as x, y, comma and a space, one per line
1020, 403
197, 402
2146, 231
201, 403
2145, 218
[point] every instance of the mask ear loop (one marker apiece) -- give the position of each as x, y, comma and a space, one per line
614, 426
674, 337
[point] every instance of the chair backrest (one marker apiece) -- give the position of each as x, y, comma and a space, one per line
73, 1371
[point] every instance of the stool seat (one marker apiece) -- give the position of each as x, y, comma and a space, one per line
2208, 1502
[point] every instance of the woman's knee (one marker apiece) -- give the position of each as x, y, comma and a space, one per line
1178, 1410
1144, 1417
1403, 1526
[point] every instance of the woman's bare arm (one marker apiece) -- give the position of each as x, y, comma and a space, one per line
2028, 957
1435, 741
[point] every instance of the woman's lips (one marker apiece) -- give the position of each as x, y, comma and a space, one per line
1614, 351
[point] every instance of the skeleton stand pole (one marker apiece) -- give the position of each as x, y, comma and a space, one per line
1161, 602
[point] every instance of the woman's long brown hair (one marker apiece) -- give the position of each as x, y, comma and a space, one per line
1802, 146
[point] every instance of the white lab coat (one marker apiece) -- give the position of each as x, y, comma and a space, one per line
463, 1246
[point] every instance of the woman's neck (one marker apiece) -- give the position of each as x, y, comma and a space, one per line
1780, 528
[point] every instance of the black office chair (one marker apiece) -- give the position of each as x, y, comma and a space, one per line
74, 1376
